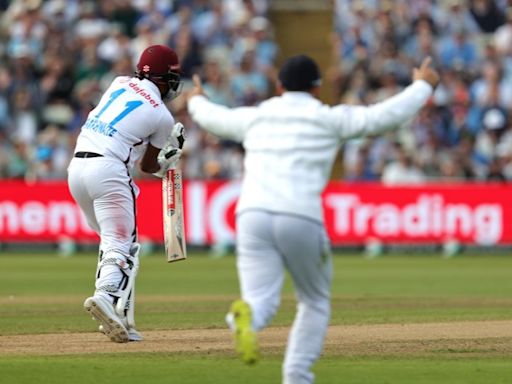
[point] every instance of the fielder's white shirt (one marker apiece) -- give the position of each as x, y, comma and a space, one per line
291, 142
130, 114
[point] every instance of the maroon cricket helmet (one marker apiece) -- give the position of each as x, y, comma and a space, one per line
160, 65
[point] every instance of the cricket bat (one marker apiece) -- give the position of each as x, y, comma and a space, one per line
174, 229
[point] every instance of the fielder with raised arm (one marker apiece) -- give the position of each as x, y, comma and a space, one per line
291, 142
131, 122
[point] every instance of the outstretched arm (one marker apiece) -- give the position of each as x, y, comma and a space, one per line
391, 113
229, 123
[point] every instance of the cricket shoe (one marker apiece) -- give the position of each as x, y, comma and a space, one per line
103, 312
246, 341
133, 334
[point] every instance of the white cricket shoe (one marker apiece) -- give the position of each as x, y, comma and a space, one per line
133, 334
103, 312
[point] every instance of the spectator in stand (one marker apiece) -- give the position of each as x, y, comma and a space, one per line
494, 171
421, 43
5, 149
362, 169
402, 170
456, 51
494, 121
216, 85
24, 114
115, 45
52, 155
188, 50
503, 35
491, 87
27, 30
505, 159
449, 170
487, 15
210, 28
248, 85
473, 164
265, 47
19, 160
454, 16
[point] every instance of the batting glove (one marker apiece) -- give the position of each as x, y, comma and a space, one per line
168, 158
170, 154
177, 136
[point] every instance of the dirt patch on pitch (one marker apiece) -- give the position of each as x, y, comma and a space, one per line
469, 338
73, 299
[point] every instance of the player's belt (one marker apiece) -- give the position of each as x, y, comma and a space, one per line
85, 155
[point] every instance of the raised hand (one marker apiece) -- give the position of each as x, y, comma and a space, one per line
426, 73
197, 88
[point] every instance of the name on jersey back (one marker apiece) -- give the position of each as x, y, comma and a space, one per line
99, 126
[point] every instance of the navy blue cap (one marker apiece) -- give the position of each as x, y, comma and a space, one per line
299, 73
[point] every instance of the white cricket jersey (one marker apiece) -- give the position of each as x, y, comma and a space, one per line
291, 142
130, 114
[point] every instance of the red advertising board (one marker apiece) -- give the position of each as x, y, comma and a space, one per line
469, 213
354, 213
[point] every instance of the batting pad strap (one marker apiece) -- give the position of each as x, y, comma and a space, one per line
126, 304
108, 280
115, 258
111, 289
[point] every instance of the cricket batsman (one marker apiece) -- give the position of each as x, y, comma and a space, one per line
130, 122
290, 143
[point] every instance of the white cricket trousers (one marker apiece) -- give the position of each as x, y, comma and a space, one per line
267, 245
105, 192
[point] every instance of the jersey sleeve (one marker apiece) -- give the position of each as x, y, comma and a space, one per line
354, 121
228, 123
159, 137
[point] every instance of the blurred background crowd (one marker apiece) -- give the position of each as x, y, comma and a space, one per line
57, 57
465, 132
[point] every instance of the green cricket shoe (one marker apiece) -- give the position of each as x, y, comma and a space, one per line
246, 340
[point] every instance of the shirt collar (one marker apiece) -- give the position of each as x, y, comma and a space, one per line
297, 95
151, 86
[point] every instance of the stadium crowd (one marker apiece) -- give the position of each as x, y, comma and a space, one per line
465, 133
57, 57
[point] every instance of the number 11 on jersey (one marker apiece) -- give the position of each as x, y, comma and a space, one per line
128, 106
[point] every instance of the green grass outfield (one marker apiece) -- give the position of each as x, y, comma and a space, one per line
43, 293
